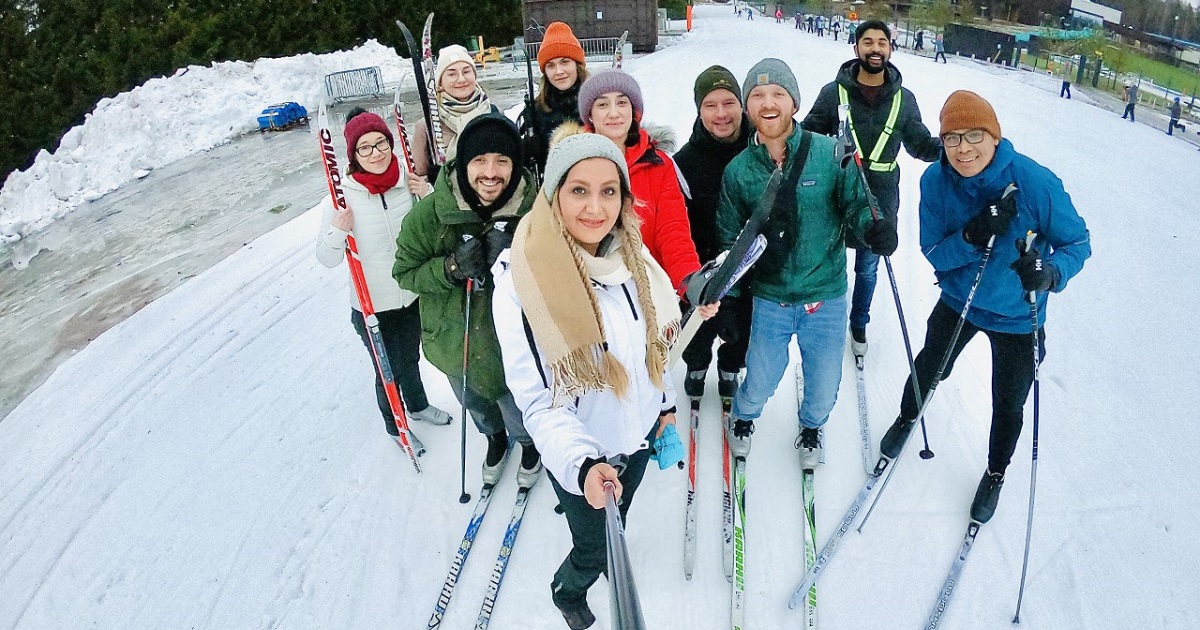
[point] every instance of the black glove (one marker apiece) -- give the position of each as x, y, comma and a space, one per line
694, 283
467, 261
1036, 274
881, 237
994, 220
499, 237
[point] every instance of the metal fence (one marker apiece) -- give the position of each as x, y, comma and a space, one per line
594, 49
354, 83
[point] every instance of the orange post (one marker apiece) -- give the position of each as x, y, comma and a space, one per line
689, 18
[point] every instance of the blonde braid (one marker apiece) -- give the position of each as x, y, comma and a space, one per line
631, 254
612, 371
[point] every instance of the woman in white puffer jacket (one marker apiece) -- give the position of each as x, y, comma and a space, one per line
585, 318
377, 198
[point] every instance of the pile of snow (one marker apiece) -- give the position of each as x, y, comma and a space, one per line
167, 119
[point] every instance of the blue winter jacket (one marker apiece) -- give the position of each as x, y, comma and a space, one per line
949, 200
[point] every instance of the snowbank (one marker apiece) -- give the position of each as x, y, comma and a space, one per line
164, 120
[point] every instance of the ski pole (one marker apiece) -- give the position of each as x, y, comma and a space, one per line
937, 377
464, 497
844, 118
622, 592
1037, 363
333, 178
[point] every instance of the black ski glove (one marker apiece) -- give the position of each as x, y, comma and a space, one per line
994, 220
881, 237
499, 237
1036, 274
467, 261
694, 283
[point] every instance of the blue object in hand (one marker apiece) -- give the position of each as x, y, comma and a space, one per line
668, 450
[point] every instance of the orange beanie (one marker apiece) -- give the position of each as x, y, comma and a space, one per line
968, 110
559, 41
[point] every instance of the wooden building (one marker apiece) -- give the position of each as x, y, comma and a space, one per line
595, 18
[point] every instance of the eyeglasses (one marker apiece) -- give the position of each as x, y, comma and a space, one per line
382, 146
974, 136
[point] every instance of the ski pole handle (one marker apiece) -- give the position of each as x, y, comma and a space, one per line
1029, 238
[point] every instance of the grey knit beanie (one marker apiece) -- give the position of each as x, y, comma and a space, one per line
771, 71
604, 82
573, 149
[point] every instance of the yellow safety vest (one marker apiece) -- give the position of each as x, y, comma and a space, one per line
881, 143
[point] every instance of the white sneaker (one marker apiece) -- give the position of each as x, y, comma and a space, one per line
432, 415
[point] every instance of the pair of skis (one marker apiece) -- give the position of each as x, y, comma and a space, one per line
464, 549
424, 72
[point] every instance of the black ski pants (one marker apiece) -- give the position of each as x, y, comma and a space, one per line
589, 552
401, 332
732, 325
1012, 376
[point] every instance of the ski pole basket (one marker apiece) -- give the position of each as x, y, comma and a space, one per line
359, 82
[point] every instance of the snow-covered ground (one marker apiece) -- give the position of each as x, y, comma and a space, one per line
216, 460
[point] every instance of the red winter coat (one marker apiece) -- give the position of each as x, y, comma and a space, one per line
659, 203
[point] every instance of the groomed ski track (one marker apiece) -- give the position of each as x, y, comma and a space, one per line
217, 460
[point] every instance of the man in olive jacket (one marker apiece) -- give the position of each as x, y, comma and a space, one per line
799, 285
451, 239
883, 114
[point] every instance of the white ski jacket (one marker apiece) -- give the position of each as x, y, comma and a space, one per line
597, 424
377, 220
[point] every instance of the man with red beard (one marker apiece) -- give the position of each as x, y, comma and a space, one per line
882, 115
799, 285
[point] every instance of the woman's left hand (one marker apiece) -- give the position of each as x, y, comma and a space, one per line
710, 311
663, 421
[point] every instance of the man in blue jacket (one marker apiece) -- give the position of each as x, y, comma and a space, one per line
965, 214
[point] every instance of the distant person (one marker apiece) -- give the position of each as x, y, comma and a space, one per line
968, 216
850, 34
820, 26
939, 49
1176, 113
779, 16
919, 44
1130, 100
1065, 90
377, 200
837, 29
799, 20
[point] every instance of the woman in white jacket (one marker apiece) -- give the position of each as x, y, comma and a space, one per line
585, 318
377, 199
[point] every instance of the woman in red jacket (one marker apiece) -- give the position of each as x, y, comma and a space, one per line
610, 104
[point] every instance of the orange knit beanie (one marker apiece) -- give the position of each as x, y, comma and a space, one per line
559, 41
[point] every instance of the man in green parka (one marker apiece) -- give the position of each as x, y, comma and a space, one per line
449, 241
799, 285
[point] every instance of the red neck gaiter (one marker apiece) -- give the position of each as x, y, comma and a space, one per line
381, 183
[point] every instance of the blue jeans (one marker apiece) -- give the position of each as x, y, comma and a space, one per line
866, 264
821, 336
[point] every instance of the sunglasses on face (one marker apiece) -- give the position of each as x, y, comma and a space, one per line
974, 136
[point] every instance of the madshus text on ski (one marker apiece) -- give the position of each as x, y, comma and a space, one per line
484, 238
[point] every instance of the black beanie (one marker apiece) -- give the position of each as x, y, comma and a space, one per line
490, 133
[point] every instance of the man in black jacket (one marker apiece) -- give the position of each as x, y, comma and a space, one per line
882, 115
720, 132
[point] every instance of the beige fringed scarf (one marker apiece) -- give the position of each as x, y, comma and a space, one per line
552, 275
455, 115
